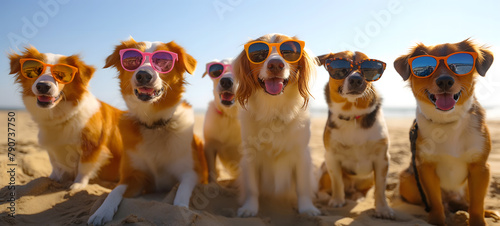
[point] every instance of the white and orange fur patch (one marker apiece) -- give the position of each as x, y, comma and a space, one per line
452, 146
275, 131
356, 141
221, 129
79, 132
161, 149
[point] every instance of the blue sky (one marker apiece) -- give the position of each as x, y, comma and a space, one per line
218, 29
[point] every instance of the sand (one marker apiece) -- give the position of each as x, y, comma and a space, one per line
39, 200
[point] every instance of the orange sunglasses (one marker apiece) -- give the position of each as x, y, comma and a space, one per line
33, 68
259, 51
460, 63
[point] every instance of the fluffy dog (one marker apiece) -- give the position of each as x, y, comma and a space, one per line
79, 132
160, 147
451, 139
273, 76
356, 137
221, 129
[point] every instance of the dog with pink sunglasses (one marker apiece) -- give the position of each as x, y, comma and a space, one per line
221, 129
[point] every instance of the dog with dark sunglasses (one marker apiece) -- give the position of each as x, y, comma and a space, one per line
221, 128
356, 137
450, 139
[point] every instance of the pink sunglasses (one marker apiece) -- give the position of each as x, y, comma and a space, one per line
215, 70
161, 60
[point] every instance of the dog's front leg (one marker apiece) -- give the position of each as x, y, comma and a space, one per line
478, 180
210, 155
432, 187
250, 192
335, 171
380, 168
187, 182
304, 187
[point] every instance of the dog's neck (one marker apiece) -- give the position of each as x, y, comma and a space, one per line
162, 123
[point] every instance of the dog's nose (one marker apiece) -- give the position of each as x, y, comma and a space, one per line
42, 87
143, 77
275, 65
445, 82
355, 81
226, 83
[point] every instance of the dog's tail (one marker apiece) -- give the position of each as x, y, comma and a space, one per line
200, 162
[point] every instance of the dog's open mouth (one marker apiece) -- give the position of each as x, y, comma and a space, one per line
147, 93
227, 98
444, 101
47, 100
273, 86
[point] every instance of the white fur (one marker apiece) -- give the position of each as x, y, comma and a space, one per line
275, 134
108, 209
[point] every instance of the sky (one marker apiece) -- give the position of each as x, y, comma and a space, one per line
217, 29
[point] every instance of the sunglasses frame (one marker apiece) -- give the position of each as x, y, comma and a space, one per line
224, 69
277, 46
358, 67
445, 60
73, 73
150, 55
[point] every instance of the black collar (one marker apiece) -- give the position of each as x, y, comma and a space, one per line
349, 118
156, 125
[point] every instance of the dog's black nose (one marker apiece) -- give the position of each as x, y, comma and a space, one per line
143, 77
42, 87
226, 83
275, 66
445, 82
355, 81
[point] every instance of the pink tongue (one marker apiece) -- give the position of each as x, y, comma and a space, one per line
227, 96
445, 102
274, 85
46, 98
146, 90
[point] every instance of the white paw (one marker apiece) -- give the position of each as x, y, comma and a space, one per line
248, 210
182, 205
54, 176
336, 202
101, 216
384, 212
78, 186
310, 210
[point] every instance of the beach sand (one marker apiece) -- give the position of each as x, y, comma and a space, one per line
42, 201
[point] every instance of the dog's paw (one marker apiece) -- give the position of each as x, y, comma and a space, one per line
101, 216
384, 213
310, 211
248, 210
77, 186
336, 202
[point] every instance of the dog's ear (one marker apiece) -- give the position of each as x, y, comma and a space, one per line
402, 67
15, 65
247, 84
186, 60
113, 60
320, 60
206, 72
85, 72
307, 69
483, 63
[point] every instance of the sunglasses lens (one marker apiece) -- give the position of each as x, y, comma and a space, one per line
163, 61
460, 63
62, 73
32, 69
215, 70
131, 60
423, 66
338, 69
258, 52
290, 51
372, 70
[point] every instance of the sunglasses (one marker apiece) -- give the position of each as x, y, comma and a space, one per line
215, 70
340, 68
33, 68
259, 51
161, 60
460, 63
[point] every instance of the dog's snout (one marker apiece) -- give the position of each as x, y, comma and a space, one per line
42, 87
445, 82
143, 77
226, 83
275, 65
355, 81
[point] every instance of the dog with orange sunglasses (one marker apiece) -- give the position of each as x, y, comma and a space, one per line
450, 139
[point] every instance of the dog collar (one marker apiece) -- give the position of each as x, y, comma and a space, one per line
156, 125
218, 111
346, 118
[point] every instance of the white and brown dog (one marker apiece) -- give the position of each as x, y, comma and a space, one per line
160, 147
451, 139
356, 136
221, 129
79, 132
273, 74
